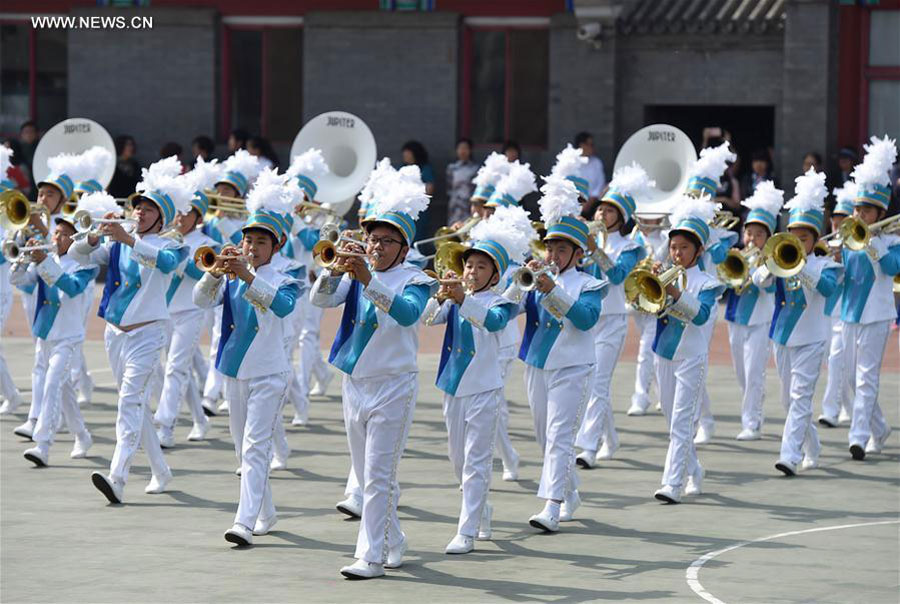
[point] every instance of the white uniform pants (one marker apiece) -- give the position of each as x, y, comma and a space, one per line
471, 430
133, 356
81, 378
59, 391
254, 410
311, 363
798, 367
505, 449
749, 355
8, 388
839, 385
199, 362
864, 346
377, 414
598, 424
215, 381
557, 398
645, 372
294, 394
177, 383
681, 386
38, 375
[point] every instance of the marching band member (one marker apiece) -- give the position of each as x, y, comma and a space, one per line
489, 174
470, 374
238, 171
307, 169
867, 308
649, 235
612, 260
139, 269
188, 320
704, 179
375, 348
799, 328
749, 312
8, 391
60, 283
837, 401
681, 344
517, 181
557, 348
251, 355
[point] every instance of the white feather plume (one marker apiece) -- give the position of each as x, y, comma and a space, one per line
846, 194
510, 226
560, 198
400, 191
809, 192
270, 193
632, 180
713, 161
569, 162
94, 162
64, 163
518, 182
310, 164
165, 177
688, 206
205, 174
376, 179
5, 154
98, 204
765, 197
875, 168
495, 167
243, 163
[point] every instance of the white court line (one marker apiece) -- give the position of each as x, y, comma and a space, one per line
693, 571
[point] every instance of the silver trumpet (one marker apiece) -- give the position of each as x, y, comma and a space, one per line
88, 226
526, 278
13, 252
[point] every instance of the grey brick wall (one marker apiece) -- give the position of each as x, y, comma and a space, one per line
157, 84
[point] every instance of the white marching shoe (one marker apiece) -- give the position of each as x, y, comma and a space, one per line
586, 459
85, 396
209, 407
297, 420
809, 463
844, 417
876, 445
694, 484
264, 525
511, 472
668, 494
199, 430
351, 506
608, 448
828, 421
568, 507
786, 467
548, 519
166, 437
240, 535
83, 443
484, 528
635, 410
395, 554
748, 434
158, 484
461, 544
363, 570
26, 430
279, 462
223, 407
704, 435
114, 491
321, 388
39, 455
9, 405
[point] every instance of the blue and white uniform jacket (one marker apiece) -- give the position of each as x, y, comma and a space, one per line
867, 293
180, 292
613, 263
685, 327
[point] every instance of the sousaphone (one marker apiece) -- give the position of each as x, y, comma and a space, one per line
74, 135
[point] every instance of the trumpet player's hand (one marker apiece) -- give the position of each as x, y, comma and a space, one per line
673, 291
359, 270
455, 292
35, 221
591, 245
545, 284
116, 231
657, 268
240, 267
37, 256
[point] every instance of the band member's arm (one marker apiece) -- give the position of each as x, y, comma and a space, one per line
165, 259
725, 240
696, 309
70, 284
405, 308
824, 280
208, 291
888, 255
329, 290
84, 253
763, 279
582, 312
435, 312
23, 277
618, 270
264, 296
492, 319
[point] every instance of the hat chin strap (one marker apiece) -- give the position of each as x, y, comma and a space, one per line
150, 228
487, 284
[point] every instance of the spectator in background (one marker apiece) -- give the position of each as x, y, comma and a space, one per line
169, 149
262, 148
512, 150
592, 171
459, 182
28, 137
760, 170
18, 172
202, 146
812, 160
128, 170
237, 140
847, 159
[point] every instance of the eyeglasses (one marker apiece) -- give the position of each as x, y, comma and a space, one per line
384, 241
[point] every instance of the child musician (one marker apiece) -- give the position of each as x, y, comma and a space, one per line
799, 326
10, 395
138, 276
470, 373
59, 284
837, 401
375, 348
867, 308
612, 259
749, 311
561, 310
238, 171
188, 320
255, 300
681, 344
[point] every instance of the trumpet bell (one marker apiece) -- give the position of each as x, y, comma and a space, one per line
855, 234
205, 258
646, 291
16, 209
785, 256
735, 269
449, 258
10, 250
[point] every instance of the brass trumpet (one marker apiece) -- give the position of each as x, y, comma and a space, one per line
16, 211
646, 291
734, 270
855, 234
725, 220
205, 258
784, 255
538, 247
306, 209
225, 204
448, 232
526, 278
327, 253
